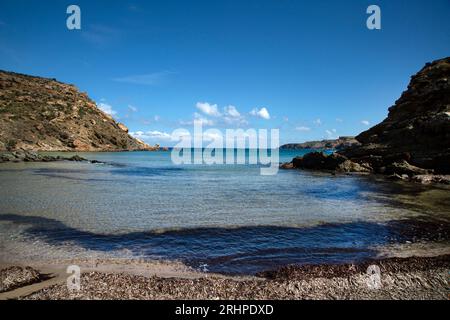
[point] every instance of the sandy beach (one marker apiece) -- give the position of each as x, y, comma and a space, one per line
400, 278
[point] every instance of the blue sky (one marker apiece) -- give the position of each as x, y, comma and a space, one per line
310, 68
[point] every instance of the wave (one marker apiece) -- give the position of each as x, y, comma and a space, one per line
242, 250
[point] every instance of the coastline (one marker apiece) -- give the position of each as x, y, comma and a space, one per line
134, 279
401, 278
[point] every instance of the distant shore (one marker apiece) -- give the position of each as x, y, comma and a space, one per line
400, 278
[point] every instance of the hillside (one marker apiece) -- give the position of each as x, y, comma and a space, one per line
341, 142
39, 114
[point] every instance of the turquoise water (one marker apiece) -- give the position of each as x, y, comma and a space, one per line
221, 218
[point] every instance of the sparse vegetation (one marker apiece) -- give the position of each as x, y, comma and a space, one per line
54, 113
11, 144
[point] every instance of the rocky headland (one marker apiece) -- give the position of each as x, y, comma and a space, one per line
412, 143
30, 156
336, 144
40, 114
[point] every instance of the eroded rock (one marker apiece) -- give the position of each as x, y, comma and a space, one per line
16, 277
332, 162
27, 156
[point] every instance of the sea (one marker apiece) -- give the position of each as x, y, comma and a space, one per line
225, 218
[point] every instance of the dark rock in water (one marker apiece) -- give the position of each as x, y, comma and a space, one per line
287, 165
333, 162
319, 160
431, 178
28, 156
76, 158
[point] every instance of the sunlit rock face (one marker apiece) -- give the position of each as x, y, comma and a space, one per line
39, 114
417, 129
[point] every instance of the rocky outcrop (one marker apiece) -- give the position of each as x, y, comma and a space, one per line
29, 156
122, 127
340, 143
412, 143
40, 114
320, 161
417, 129
16, 277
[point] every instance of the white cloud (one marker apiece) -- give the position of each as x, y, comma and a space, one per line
106, 108
317, 122
198, 119
210, 136
339, 120
235, 121
132, 108
208, 109
149, 79
365, 122
156, 118
231, 116
204, 122
303, 128
151, 135
133, 8
261, 113
331, 134
232, 111
101, 35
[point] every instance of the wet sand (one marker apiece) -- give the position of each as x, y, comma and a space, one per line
400, 278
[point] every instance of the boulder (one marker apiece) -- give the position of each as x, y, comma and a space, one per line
332, 162
76, 158
122, 127
350, 166
430, 178
396, 176
403, 167
287, 165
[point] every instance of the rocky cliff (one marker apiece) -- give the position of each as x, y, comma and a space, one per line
412, 143
40, 114
417, 129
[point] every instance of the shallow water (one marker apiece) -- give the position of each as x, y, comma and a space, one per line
225, 218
